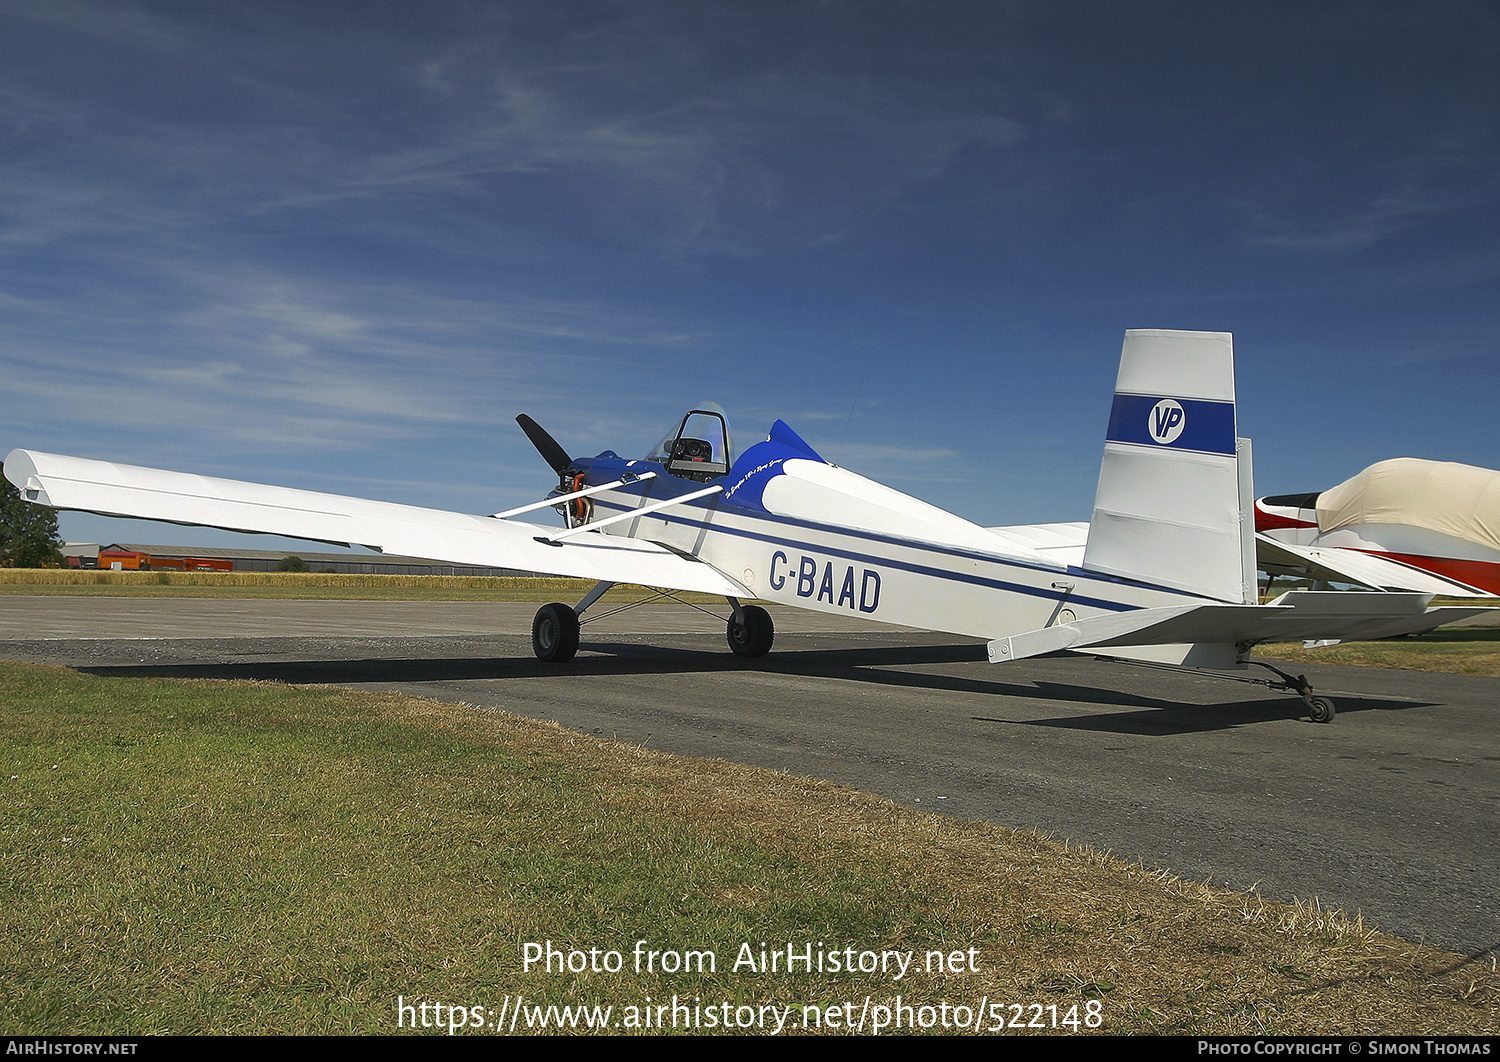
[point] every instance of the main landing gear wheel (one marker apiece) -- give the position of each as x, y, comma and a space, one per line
554, 633
751, 631
1320, 709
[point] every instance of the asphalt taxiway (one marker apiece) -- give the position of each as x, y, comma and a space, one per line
1389, 811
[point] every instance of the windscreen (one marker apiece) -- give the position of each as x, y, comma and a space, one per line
707, 423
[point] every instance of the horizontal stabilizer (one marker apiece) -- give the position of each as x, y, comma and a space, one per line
1098, 630
1296, 616
1353, 566
111, 489
1060, 543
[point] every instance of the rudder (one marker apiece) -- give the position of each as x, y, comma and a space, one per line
1170, 509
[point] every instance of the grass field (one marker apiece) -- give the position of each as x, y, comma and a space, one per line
306, 585
195, 857
1457, 650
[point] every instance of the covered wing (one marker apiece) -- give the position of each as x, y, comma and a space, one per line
1296, 616
1353, 566
111, 489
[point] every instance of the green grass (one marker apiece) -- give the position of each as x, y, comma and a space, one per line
195, 857
1457, 650
214, 857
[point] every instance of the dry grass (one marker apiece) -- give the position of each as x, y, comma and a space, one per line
1060, 923
1455, 650
242, 857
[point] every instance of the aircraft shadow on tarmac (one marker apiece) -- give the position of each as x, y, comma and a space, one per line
1157, 716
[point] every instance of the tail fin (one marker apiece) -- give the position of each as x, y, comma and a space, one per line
1175, 505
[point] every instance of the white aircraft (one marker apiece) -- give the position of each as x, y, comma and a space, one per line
1167, 576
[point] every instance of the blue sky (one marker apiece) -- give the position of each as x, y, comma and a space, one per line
340, 246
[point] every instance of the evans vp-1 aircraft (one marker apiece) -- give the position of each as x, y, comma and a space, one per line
1167, 576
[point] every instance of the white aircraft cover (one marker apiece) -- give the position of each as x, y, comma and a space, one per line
1443, 496
111, 489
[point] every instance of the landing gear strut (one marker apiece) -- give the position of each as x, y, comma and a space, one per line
554, 631
1319, 709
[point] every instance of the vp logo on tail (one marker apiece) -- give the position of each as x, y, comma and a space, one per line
1166, 421
1205, 425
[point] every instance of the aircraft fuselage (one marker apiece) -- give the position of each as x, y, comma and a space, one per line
935, 585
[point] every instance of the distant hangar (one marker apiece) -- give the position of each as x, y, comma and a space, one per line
132, 555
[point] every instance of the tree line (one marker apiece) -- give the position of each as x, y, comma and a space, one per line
28, 533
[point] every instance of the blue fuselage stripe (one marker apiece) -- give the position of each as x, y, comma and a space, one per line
679, 487
876, 559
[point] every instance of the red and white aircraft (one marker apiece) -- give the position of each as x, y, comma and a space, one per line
1403, 524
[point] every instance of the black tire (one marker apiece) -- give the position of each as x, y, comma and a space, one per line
1320, 710
554, 633
751, 631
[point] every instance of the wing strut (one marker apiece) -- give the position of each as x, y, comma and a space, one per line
560, 498
557, 539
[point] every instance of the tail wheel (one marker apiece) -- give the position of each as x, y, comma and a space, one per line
1320, 710
554, 633
751, 631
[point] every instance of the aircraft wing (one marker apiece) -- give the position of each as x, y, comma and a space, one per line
1065, 543
1301, 615
1353, 566
111, 489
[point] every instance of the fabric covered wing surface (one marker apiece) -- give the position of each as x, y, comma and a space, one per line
154, 494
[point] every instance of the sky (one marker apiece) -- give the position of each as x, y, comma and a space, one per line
340, 246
